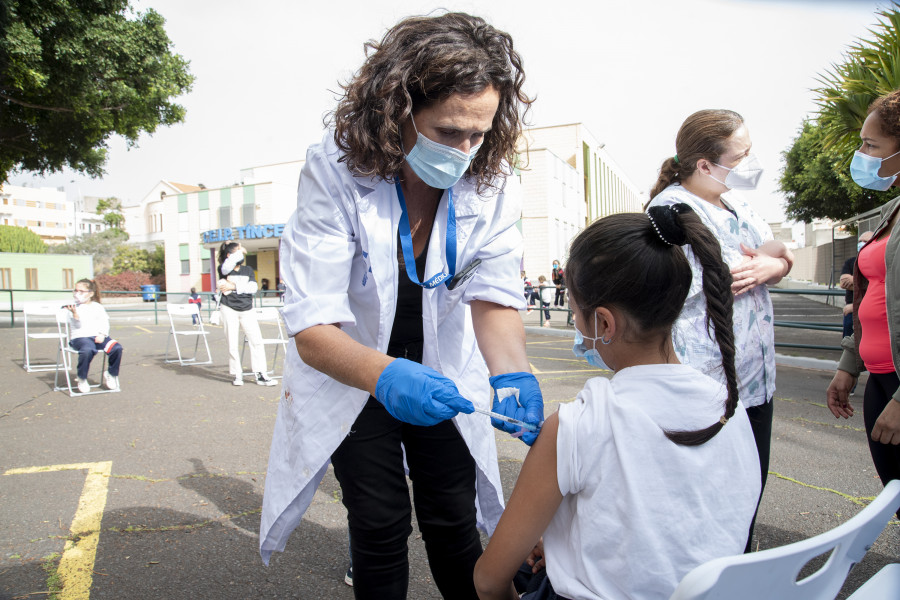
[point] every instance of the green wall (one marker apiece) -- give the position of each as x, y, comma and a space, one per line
49, 273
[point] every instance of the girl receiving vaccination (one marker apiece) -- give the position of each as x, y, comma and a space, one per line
653, 471
89, 334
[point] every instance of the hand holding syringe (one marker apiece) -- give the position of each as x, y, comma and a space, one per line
510, 420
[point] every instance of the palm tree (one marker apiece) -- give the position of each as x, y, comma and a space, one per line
871, 69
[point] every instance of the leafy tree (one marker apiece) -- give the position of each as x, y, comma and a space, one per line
130, 258
73, 73
816, 181
111, 209
103, 246
158, 260
20, 239
871, 68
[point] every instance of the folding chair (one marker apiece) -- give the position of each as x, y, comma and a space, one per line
773, 573
66, 357
268, 315
186, 311
39, 309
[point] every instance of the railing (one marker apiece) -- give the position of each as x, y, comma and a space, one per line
207, 306
812, 326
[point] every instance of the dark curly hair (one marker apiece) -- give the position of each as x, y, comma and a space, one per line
888, 108
702, 135
420, 61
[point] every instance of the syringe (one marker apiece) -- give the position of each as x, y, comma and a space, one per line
516, 422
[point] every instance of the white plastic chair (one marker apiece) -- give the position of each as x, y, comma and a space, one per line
883, 584
184, 313
40, 309
773, 573
268, 315
67, 357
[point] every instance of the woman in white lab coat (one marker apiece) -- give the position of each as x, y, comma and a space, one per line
401, 265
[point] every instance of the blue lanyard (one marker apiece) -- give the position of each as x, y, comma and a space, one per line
407, 245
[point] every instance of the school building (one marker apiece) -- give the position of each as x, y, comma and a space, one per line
568, 180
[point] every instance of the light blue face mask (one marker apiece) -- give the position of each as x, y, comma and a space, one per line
580, 349
864, 171
438, 165
859, 246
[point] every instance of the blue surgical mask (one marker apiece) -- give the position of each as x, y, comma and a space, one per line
864, 171
438, 165
859, 246
591, 355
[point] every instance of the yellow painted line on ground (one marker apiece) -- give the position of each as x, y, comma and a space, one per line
142, 328
76, 567
534, 369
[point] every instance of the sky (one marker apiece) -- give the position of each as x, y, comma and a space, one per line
267, 73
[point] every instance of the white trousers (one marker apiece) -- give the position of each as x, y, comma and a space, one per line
233, 321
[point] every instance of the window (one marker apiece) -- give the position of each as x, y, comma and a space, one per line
184, 253
185, 267
31, 279
6, 278
68, 278
182, 203
248, 214
225, 216
204, 266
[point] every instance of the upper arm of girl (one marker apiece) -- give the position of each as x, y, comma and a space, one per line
531, 506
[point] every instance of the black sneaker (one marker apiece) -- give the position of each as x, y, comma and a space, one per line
348, 576
262, 379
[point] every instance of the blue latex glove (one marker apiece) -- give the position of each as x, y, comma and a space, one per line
419, 395
529, 406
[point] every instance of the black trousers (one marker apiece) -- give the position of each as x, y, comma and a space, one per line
761, 423
879, 389
369, 466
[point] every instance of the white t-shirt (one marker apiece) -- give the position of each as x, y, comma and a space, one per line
639, 511
92, 321
754, 317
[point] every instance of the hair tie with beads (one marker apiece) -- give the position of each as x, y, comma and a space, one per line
665, 223
723, 419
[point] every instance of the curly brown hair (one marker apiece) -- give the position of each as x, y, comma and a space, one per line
702, 135
888, 107
420, 61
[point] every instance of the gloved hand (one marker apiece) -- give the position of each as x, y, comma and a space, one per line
419, 395
518, 395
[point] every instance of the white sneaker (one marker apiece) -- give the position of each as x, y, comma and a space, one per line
110, 381
83, 386
263, 379
238, 380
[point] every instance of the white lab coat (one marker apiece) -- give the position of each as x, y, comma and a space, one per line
339, 264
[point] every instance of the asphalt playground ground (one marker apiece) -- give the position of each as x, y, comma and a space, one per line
155, 492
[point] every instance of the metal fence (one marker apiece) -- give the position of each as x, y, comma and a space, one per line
154, 304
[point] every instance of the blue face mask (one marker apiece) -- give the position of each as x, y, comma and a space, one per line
859, 246
864, 171
438, 165
580, 349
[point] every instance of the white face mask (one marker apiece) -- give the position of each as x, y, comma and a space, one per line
81, 297
743, 176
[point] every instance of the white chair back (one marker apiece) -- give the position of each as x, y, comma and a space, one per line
189, 323
31, 310
773, 573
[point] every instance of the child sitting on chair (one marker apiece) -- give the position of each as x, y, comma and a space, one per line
89, 334
653, 472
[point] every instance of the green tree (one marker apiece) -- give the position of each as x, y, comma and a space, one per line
73, 73
20, 239
103, 246
816, 181
871, 68
130, 258
111, 209
158, 260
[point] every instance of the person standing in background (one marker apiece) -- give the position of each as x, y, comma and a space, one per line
846, 283
558, 277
